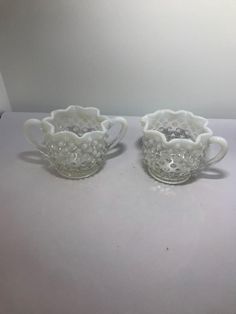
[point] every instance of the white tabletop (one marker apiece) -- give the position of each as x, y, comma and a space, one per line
118, 242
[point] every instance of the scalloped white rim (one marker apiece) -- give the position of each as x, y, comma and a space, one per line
51, 127
145, 123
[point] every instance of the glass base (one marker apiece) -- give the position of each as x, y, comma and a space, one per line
78, 173
167, 178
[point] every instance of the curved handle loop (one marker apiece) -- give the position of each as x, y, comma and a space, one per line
223, 149
123, 128
28, 125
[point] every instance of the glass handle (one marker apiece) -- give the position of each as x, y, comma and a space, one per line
28, 126
122, 131
223, 149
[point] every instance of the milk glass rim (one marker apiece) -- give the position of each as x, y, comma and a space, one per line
92, 111
145, 120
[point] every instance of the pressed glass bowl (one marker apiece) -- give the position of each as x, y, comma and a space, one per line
175, 145
75, 140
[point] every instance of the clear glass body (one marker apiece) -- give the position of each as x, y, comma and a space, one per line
175, 145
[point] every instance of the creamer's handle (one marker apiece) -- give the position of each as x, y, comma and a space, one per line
123, 129
223, 149
28, 126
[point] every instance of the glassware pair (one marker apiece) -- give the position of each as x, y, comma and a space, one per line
76, 141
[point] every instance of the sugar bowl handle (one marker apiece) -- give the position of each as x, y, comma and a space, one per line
29, 125
223, 149
114, 140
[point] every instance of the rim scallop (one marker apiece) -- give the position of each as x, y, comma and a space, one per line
51, 127
145, 123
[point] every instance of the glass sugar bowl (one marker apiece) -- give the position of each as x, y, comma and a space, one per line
75, 140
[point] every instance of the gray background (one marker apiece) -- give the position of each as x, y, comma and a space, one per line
118, 242
124, 56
